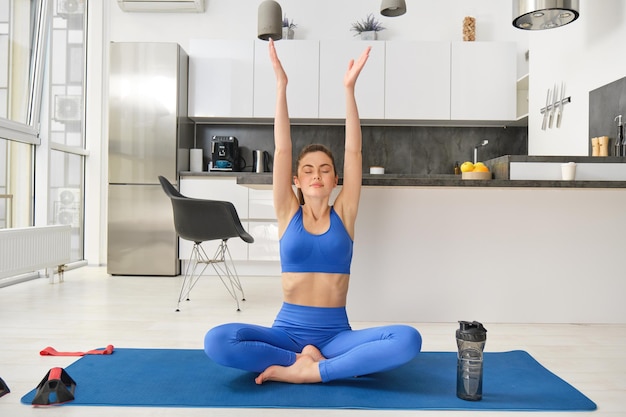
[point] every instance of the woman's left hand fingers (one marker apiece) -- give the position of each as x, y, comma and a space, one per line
355, 67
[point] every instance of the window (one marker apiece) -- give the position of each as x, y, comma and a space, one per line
42, 114
23, 29
65, 196
65, 127
17, 188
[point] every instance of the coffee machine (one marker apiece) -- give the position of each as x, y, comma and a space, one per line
224, 153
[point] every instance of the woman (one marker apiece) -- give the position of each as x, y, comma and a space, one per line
311, 339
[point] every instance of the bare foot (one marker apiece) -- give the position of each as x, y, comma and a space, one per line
313, 352
304, 371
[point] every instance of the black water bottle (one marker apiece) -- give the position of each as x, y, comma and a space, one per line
470, 339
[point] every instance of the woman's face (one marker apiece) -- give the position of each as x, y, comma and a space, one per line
316, 174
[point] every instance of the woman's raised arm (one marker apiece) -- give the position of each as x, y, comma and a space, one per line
285, 201
347, 202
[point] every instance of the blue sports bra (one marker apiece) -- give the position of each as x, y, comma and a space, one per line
329, 252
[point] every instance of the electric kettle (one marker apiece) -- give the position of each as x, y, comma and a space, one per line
260, 161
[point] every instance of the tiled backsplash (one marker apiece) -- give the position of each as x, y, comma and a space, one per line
605, 103
400, 149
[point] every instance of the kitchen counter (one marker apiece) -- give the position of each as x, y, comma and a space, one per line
538, 240
264, 181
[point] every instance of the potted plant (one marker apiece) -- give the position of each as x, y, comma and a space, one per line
288, 28
368, 28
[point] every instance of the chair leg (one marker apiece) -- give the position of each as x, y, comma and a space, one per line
232, 271
190, 278
225, 269
223, 265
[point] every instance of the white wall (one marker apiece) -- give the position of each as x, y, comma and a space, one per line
586, 54
322, 20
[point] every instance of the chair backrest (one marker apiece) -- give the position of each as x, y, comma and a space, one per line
169, 189
201, 220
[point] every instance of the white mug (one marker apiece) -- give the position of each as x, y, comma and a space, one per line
568, 171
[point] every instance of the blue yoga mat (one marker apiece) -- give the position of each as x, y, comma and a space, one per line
187, 378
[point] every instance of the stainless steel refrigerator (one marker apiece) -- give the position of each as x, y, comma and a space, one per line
149, 135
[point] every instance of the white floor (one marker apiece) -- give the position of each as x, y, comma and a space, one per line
92, 309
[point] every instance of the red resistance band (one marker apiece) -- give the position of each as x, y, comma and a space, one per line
50, 351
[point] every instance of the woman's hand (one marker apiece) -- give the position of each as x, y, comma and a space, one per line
281, 76
355, 67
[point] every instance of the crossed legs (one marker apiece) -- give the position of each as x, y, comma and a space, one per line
308, 351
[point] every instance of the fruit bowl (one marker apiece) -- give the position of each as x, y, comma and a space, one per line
476, 175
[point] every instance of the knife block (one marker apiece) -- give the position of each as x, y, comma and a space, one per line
603, 142
595, 147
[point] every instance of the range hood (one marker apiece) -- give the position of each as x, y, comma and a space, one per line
196, 6
543, 14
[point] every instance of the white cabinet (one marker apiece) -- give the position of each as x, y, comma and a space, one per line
301, 62
370, 87
221, 74
218, 188
256, 212
417, 80
263, 226
261, 204
483, 81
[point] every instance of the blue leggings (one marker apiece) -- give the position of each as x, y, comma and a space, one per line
349, 352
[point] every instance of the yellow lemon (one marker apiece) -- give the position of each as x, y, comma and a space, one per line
480, 167
467, 166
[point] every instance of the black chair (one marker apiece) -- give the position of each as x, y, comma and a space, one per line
200, 220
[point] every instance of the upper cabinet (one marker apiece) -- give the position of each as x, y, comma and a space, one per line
221, 74
417, 80
402, 80
483, 81
370, 87
300, 59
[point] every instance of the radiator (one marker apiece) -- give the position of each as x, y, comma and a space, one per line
29, 249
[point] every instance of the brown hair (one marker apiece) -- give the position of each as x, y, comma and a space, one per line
314, 147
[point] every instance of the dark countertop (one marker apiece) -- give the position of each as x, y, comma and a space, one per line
561, 159
264, 180
501, 167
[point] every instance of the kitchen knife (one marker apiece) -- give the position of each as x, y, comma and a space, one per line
545, 112
555, 94
559, 115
